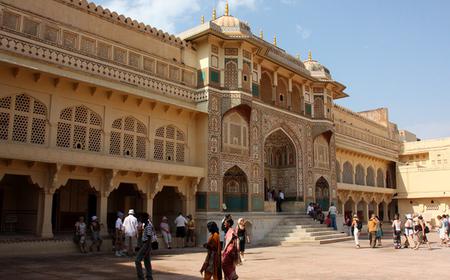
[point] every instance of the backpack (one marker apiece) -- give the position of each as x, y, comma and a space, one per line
359, 225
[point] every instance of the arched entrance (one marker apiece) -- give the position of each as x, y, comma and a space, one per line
125, 197
77, 198
349, 207
235, 190
280, 164
168, 202
18, 205
323, 193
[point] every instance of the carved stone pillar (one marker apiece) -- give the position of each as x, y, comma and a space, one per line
385, 212
102, 211
46, 230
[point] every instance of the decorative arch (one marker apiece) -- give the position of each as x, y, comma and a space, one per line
231, 74
296, 99
282, 92
319, 107
128, 138
360, 175
169, 144
380, 178
235, 189
347, 173
370, 177
266, 85
79, 128
322, 193
235, 130
321, 152
23, 119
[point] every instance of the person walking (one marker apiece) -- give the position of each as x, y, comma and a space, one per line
144, 253
80, 233
333, 213
280, 200
243, 237
442, 229
118, 245
95, 234
165, 232
230, 255
372, 229
356, 227
212, 266
190, 236
397, 227
180, 223
421, 230
409, 232
130, 226
379, 233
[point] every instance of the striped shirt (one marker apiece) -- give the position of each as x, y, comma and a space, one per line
148, 231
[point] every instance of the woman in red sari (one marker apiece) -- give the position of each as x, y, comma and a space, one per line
230, 255
212, 265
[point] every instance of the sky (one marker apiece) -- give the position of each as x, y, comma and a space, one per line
393, 54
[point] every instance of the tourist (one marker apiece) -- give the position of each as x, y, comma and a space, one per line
144, 252
280, 200
212, 266
328, 220
95, 234
332, 211
348, 224
409, 232
80, 234
223, 229
230, 256
243, 237
421, 230
379, 233
357, 227
190, 236
269, 196
130, 225
118, 245
309, 209
447, 222
180, 223
442, 229
140, 231
165, 232
397, 227
372, 229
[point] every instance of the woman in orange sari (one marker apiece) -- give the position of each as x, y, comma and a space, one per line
230, 255
212, 265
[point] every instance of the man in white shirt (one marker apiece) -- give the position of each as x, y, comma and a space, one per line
180, 223
130, 225
333, 212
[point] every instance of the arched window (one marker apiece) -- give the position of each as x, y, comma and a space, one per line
370, 177
266, 88
282, 93
359, 175
79, 128
231, 74
347, 174
235, 134
321, 152
380, 178
23, 119
296, 100
128, 138
169, 144
338, 172
318, 107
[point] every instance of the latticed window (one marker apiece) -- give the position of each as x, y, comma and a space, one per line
169, 144
235, 134
79, 128
23, 119
321, 152
128, 138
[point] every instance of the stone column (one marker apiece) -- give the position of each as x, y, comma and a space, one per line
343, 208
148, 207
366, 212
102, 211
46, 230
386, 212
355, 209
377, 209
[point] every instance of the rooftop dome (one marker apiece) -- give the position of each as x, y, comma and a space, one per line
230, 24
316, 69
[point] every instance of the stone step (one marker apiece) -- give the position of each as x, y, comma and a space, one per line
300, 233
323, 241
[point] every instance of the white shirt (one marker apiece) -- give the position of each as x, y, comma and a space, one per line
119, 224
281, 195
180, 221
130, 226
332, 210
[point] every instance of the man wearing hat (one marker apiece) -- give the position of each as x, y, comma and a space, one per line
95, 231
130, 225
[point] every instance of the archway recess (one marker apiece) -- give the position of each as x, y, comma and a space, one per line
235, 190
323, 193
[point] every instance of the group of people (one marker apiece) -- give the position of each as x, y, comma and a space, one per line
224, 256
314, 210
185, 230
374, 229
277, 197
82, 230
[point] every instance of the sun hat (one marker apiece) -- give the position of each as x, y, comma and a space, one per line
131, 212
94, 218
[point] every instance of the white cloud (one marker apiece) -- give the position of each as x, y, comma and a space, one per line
162, 14
304, 32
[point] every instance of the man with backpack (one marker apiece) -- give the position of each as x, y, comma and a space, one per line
372, 229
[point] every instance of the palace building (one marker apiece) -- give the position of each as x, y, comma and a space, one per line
100, 113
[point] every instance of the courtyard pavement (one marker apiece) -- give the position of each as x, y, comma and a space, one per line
331, 261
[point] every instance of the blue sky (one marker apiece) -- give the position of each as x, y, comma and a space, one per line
393, 54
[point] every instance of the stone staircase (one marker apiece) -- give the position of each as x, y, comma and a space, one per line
301, 229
